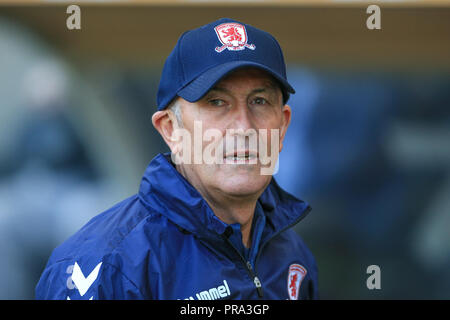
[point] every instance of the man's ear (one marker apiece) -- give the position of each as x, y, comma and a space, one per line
166, 123
285, 121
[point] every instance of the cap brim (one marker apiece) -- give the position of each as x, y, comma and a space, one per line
197, 88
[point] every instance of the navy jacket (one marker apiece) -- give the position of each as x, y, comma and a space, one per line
166, 243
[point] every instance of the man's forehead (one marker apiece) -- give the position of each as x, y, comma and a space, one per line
259, 77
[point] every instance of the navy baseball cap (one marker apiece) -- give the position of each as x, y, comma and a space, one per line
205, 55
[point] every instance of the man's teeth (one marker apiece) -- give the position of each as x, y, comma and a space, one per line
241, 157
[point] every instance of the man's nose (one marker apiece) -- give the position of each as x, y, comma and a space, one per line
242, 136
242, 118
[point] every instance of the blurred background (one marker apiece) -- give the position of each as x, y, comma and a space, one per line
368, 146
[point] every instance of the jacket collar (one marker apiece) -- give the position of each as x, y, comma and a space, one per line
165, 190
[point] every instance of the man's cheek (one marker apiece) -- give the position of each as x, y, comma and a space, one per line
213, 151
269, 142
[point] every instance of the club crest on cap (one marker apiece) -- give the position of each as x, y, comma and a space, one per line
233, 37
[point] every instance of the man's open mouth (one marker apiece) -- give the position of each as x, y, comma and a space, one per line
241, 157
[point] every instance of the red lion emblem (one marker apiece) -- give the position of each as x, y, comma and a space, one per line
232, 34
293, 285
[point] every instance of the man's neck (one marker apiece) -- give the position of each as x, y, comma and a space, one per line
229, 209
237, 211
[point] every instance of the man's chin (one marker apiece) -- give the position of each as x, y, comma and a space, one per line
243, 186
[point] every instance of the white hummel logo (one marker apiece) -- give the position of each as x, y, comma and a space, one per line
91, 298
213, 293
81, 282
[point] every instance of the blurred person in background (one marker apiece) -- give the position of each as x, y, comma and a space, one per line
49, 185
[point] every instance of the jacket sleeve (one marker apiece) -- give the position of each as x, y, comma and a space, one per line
66, 280
313, 289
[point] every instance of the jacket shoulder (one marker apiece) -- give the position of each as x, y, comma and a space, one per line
104, 232
307, 257
89, 257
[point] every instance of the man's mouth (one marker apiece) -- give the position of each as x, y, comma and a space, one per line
246, 156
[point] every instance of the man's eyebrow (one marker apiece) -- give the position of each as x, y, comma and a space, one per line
271, 86
220, 89
259, 90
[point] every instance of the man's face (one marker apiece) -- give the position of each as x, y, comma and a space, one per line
243, 108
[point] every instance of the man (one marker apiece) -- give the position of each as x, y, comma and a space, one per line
209, 221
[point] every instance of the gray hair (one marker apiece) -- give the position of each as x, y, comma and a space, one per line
175, 107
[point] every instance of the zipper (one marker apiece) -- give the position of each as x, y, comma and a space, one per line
256, 280
250, 270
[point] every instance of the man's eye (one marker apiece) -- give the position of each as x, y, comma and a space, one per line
259, 100
216, 102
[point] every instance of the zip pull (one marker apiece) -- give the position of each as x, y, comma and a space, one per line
256, 280
257, 284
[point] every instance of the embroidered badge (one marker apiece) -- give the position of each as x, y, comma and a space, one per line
296, 274
233, 37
